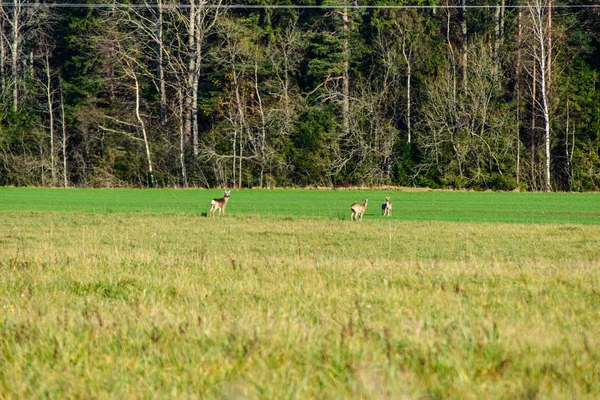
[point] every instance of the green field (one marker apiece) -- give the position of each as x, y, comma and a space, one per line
135, 293
408, 205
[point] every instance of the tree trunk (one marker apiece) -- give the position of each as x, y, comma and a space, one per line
51, 115
143, 128
64, 139
159, 65
190, 70
463, 28
518, 93
546, 127
568, 158
541, 58
198, 62
407, 59
502, 18
2, 48
496, 33
549, 34
16, 38
240, 124
533, 123
262, 127
182, 139
346, 76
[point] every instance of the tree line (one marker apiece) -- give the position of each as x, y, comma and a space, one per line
501, 96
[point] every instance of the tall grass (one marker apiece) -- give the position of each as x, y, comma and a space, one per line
180, 305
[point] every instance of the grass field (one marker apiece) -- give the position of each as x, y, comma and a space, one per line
134, 293
408, 205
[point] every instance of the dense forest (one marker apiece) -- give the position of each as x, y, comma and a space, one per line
448, 94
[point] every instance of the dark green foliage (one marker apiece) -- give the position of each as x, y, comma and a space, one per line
281, 119
312, 148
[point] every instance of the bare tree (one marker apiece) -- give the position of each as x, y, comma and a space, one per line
470, 136
539, 52
463, 30
15, 51
64, 138
47, 83
160, 69
346, 72
22, 24
518, 71
235, 57
180, 115
3, 50
282, 103
285, 56
128, 56
200, 22
262, 142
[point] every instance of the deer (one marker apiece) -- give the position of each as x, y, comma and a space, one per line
386, 208
358, 210
219, 204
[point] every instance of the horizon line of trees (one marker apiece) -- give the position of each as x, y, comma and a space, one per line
158, 95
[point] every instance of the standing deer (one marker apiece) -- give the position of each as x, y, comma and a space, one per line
386, 208
219, 204
358, 210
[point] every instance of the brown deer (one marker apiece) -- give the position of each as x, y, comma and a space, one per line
386, 208
219, 204
358, 210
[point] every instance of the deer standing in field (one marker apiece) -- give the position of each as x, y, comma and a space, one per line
386, 208
219, 204
358, 210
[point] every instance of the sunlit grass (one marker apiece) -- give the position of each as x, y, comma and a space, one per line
582, 208
181, 305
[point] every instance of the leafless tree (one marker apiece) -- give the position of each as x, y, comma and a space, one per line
200, 22
20, 26
3, 46
127, 54
468, 135
64, 138
464, 37
538, 12
47, 82
15, 48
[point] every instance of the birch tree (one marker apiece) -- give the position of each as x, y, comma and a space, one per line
47, 82
3, 46
128, 55
468, 139
15, 48
22, 21
200, 22
538, 12
64, 138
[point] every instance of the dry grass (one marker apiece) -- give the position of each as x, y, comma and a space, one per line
150, 305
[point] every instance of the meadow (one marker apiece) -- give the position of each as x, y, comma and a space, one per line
579, 208
136, 293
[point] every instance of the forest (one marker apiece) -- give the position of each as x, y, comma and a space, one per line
481, 95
